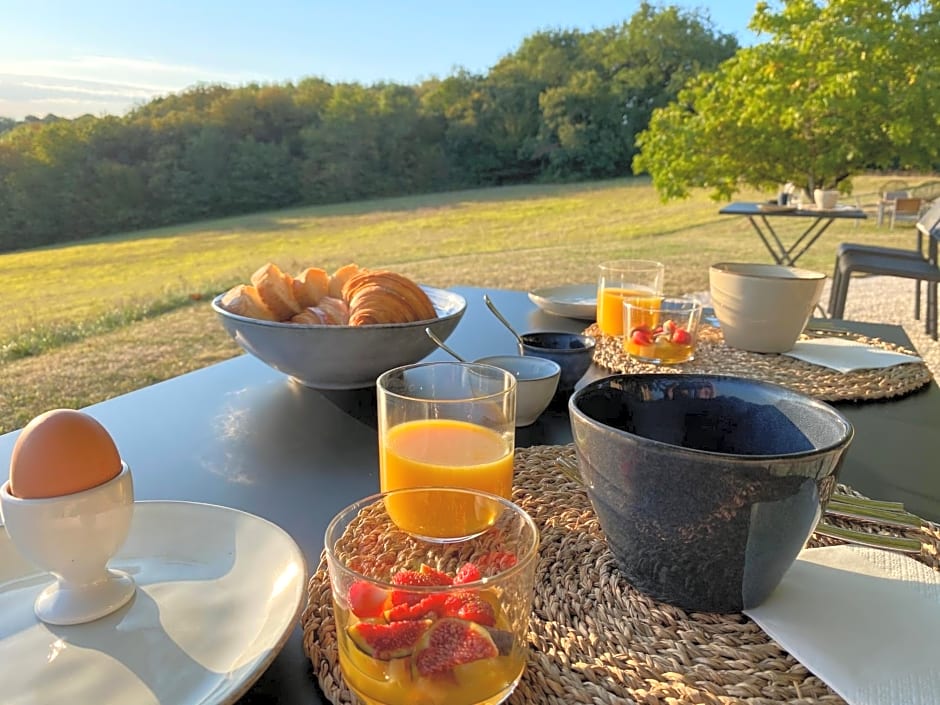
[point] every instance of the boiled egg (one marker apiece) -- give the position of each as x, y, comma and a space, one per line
61, 452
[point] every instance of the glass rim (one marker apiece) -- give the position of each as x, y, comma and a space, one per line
631, 264
522, 561
689, 304
505, 374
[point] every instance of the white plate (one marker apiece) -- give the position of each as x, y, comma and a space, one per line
218, 593
571, 300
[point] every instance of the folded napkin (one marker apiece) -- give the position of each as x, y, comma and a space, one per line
846, 355
865, 621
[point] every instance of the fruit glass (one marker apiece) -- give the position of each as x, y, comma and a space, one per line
638, 281
663, 333
445, 424
431, 622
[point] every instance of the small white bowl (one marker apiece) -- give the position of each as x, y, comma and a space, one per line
73, 537
536, 382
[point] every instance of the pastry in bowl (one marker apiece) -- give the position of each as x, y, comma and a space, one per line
336, 331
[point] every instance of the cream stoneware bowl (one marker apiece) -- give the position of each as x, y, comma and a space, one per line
73, 537
536, 383
763, 307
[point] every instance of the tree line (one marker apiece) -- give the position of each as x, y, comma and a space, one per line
566, 105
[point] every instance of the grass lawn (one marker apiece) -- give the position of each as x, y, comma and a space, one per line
87, 321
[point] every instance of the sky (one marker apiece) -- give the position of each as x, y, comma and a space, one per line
107, 56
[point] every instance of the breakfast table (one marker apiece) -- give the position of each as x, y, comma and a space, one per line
242, 435
759, 215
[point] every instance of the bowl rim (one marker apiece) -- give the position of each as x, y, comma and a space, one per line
540, 362
845, 438
590, 341
459, 300
774, 272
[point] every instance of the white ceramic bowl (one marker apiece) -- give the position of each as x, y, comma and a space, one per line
73, 537
342, 357
536, 382
763, 307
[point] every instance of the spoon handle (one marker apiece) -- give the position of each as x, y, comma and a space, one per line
492, 307
442, 345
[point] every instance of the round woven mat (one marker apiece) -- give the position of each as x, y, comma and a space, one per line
712, 356
594, 639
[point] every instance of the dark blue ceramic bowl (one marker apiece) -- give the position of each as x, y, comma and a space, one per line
706, 487
574, 353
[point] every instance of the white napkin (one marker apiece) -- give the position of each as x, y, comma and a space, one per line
865, 621
846, 355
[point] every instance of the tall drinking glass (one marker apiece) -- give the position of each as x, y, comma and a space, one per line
437, 623
445, 424
635, 280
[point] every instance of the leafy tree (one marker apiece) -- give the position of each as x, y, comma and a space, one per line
840, 87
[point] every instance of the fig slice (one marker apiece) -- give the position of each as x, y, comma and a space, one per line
452, 642
388, 641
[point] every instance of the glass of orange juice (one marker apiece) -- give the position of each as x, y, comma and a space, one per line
445, 424
430, 622
635, 280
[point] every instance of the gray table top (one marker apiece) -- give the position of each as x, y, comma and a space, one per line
771, 209
240, 434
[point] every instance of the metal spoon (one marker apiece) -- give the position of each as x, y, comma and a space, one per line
502, 319
442, 345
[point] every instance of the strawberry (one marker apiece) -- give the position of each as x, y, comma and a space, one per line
437, 576
496, 562
366, 600
681, 337
641, 336
467, 573
414, 577
470, 606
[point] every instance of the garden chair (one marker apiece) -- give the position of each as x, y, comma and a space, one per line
908, 209
919, 264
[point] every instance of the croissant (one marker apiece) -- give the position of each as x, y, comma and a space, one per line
244, 300
310, 286
385, 297
276, 290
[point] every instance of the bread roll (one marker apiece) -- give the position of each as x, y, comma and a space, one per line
386, 297
276, 290
244, 300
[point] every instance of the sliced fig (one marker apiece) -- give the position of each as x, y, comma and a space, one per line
388, 641
430, 606
470, 606
450, 642
502, 639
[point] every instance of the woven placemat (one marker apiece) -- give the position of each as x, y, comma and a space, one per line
712, 356
594, 639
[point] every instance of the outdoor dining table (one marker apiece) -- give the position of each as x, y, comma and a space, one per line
242, 435
760, 214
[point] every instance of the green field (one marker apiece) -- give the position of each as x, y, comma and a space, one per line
84, 322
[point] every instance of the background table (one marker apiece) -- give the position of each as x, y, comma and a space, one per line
759, 219
240, 434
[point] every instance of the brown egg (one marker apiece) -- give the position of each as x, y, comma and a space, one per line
62, 452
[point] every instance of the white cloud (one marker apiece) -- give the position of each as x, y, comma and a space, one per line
96, 84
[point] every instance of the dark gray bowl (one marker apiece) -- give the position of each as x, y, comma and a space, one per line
573, 353
706, 486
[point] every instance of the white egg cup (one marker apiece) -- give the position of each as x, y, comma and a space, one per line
73, 537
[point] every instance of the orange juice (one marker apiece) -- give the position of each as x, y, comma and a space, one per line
444, 453
610, 307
